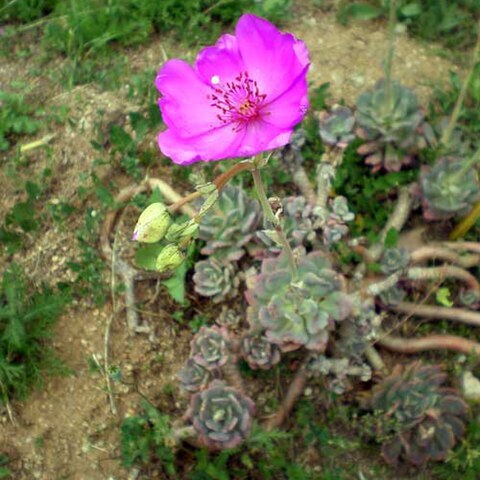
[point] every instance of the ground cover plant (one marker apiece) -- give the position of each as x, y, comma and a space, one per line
308, 311
301, 296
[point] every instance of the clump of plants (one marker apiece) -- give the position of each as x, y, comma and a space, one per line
27, 318
292, 283
417, 419
17, 117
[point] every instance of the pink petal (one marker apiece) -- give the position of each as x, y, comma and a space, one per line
272, 58
221, 63
261, 136
185, 103
216, 144
290, 107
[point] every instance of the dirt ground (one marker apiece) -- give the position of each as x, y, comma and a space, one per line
67, 430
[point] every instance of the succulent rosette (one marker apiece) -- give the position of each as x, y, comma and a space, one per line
259, 353
389, 119
193, 377
394, 260
421, 419
230, 224
299, 311
210, 347
221, 416
448, 189
243, 96
215, 279
336, 127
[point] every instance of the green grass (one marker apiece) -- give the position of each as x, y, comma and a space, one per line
88, 32
27, 318
450, 22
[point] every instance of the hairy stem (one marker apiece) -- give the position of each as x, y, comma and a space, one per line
301, 180
375, 359
378, 287
397, 220
460, 246
430, 342
435, 252
443, 272
392, 18
437, 312
219, 182
273, 220
447, 134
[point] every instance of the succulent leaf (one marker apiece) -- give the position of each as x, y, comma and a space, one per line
447, 189
336, 127
394, 260
221, 416
389, 120
210, 348
193, 377
230, 224
216, 279
300, 311
421, 419
259, 353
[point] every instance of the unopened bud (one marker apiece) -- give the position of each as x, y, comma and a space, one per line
152, 224
169, 258
182, 232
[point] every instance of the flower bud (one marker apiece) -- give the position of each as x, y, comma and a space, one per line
152, 224
169, 258
182, 232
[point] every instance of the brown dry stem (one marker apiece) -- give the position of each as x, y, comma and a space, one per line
429, 342
443, 272
437, 312
294, 392
435, 252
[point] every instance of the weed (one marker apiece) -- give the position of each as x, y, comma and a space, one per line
27, 317
368, 193
21, 219
266, 455
464, 461
86, 31
17, 117
143, 436
443, 102
5, 472
450, 22
89, 267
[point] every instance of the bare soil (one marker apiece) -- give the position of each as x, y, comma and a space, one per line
67, 430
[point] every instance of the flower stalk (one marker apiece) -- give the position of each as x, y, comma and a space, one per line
447, 134
272, 219
391, 48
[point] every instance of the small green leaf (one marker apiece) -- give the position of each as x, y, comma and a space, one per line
411, 10
391, 239
442, 296
363, 11
146, 256
120, 138
176, 284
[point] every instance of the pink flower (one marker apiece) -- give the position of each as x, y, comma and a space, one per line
243, 95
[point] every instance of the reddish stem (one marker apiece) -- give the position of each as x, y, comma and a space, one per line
294, 392
430, 342
219, 182
436, 312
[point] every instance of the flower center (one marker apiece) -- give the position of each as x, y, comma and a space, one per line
238, 101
